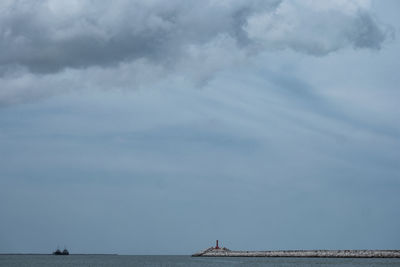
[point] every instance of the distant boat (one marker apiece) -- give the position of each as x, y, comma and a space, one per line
59, 252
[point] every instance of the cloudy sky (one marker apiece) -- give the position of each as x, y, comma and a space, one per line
156, 127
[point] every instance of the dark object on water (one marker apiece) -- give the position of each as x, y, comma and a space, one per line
59, 252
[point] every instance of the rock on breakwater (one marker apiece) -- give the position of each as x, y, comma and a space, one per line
224, 252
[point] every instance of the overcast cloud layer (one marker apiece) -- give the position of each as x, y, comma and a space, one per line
154, 127
190, 38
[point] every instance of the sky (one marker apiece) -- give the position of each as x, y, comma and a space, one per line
157, 127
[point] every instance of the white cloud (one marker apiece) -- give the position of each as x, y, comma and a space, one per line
316, 27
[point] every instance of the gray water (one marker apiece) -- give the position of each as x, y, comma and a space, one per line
119, 260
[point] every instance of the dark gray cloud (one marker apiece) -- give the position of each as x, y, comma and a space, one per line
52, 47
48, 36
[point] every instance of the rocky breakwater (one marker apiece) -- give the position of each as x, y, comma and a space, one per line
224, 252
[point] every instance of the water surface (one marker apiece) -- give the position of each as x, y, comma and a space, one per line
121, 260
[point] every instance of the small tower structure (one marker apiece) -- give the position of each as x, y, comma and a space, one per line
217, 247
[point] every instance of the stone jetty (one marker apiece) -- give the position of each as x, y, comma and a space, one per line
224, 252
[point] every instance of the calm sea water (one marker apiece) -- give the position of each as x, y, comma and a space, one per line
117, 260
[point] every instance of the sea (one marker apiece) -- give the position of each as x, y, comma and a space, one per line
184, 261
